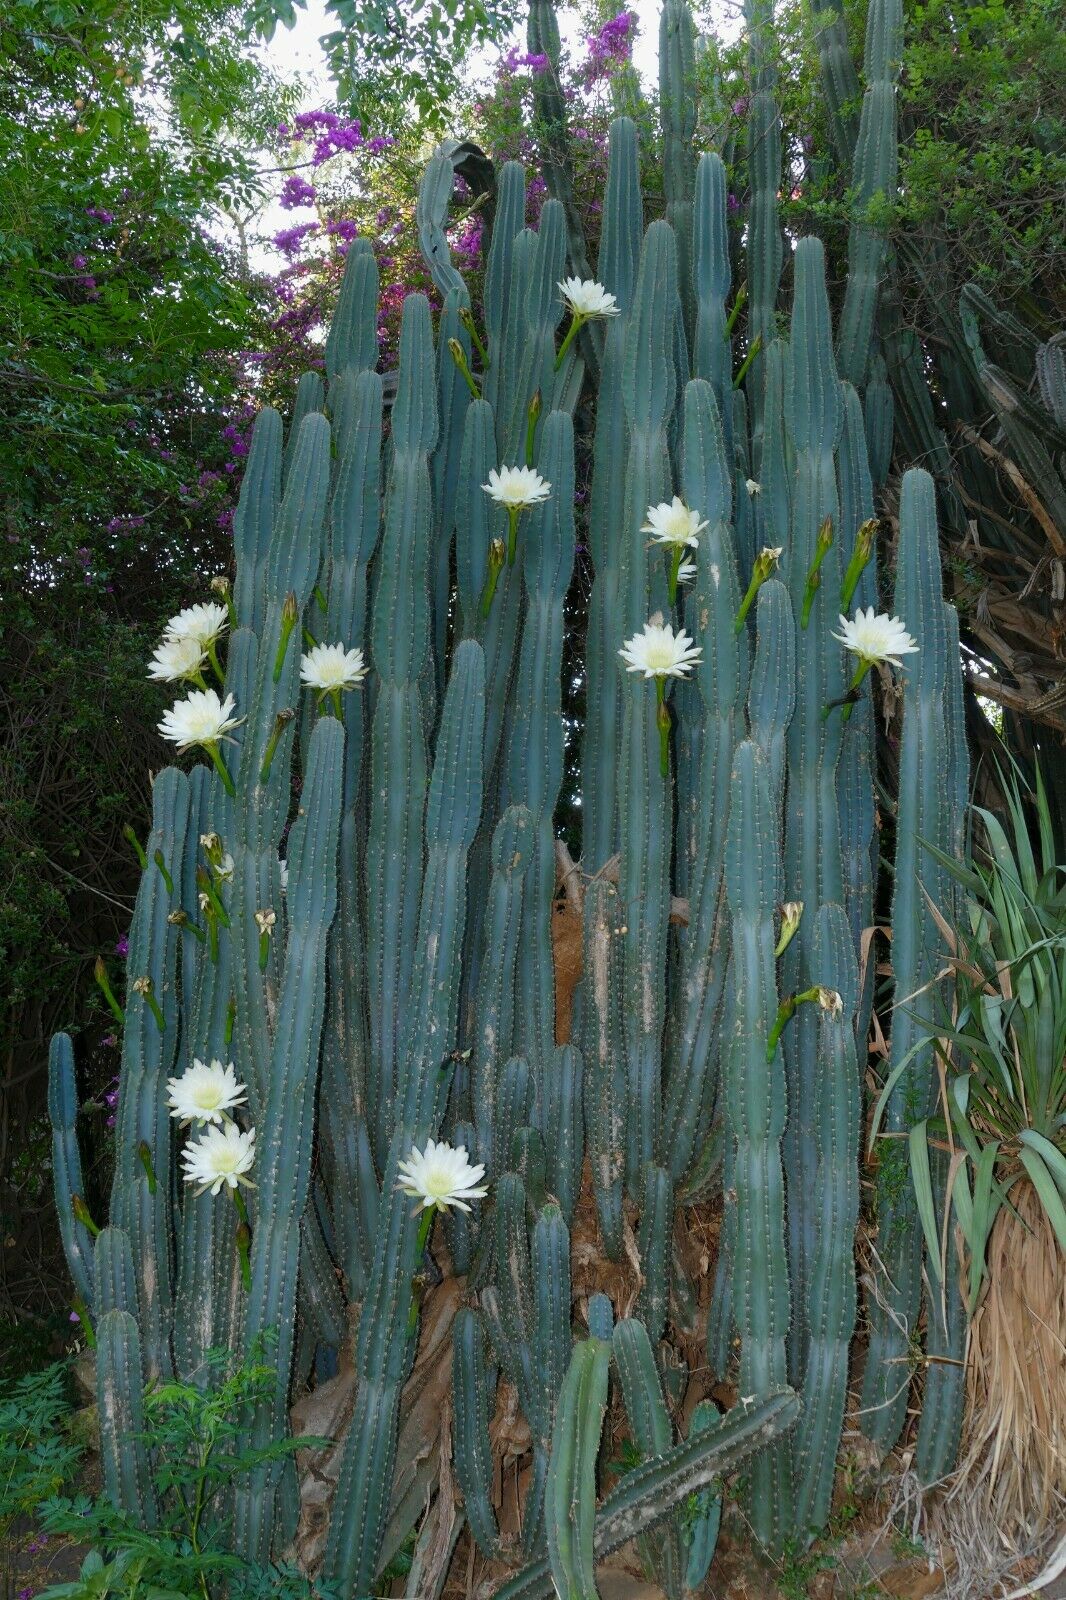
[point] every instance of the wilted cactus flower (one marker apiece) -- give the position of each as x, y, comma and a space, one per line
587, 299
441, 1176
205, 1093
875, 637
221, 1158
752, 486
830, 1002
204, 623
178, 660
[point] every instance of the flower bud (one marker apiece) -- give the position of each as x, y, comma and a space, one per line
791, 912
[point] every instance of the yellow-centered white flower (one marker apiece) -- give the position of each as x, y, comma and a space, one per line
587, 298
875, 637
328, 667
202, 718
221, 1158
204, 623
671, 522
517, 488
659, 652
441, 1175
206, 1092
175, 660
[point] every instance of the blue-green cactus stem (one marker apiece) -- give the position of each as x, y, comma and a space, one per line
603, 1052
499, 266
453, 398
400, 642
512, 850
831, 1288
677, 99
840, 80
384, 1349
765, 252
253, 520
564, 1128
620, 242
874, 178
649, 1423
944, 1397
120, 1379
283, 1152
721, 675
923, 817
148, 1056
814, 415
310, 398
354, 529
67, 1179
649, 381
653, 1239
474, 1388
712, 357
654, 1489
532, 768
756, 1109
644, 891
352, 342
571, 1498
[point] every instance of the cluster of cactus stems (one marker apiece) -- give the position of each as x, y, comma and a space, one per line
377, 961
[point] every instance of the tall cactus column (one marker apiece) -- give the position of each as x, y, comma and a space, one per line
755, 1111
400, 642
693, 1044
813, 869
284, 1153
385, 1344
874, 177
533, 766
619, 253
923, 818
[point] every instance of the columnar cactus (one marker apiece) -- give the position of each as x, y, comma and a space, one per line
350, 902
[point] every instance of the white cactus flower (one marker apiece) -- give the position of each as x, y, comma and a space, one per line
204, 623
875, 637
587, 298
671, 522
752, 487
441, 1176
659, 652
517, 488
202, 718
205, 1093
330, 667
686, 572
223, 1156
175, 660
